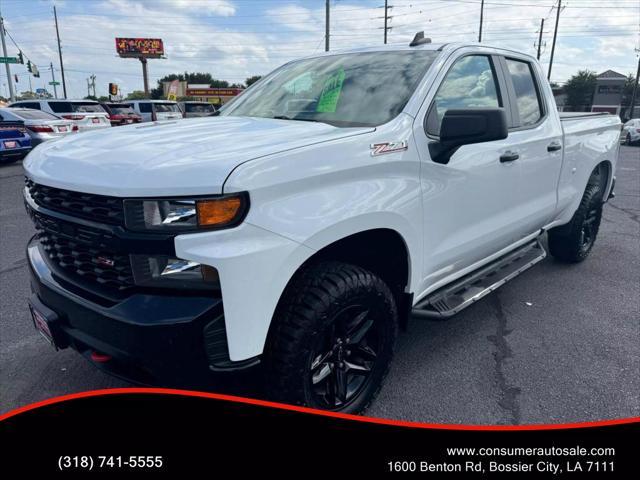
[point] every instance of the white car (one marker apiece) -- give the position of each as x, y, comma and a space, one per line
303, 226
41, 126
631, 132
86, 114
156, 110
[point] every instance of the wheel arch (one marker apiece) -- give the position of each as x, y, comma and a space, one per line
383, 251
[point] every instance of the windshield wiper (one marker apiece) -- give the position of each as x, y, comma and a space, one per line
284, 117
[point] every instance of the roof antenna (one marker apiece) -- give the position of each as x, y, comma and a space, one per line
419, 39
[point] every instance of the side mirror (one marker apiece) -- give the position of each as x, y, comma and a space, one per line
465, 127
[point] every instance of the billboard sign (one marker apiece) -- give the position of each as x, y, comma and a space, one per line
140, 47
213, 92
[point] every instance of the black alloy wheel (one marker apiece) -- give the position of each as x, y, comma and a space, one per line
345, 357
332, 338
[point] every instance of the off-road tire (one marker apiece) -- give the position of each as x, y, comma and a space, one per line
566, 243
306, 312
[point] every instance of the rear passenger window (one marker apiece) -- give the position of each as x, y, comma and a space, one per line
524, 83
471, 82
145, 107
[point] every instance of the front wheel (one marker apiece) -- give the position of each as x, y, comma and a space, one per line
332, 340
627, 140
572, 242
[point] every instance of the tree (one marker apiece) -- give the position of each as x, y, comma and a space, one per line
90, 97
580, 89
251, 80
137, 95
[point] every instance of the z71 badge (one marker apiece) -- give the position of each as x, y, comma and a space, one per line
388, 147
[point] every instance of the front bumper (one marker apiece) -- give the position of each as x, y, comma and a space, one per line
153, 339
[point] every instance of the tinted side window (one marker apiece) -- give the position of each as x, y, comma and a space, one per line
528, 101
34, 105
145, 107
471, 82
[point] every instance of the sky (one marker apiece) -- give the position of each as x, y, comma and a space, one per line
235, 39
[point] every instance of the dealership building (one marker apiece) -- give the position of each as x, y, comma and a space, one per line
202, 92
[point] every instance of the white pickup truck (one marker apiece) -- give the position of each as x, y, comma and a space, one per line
304, 225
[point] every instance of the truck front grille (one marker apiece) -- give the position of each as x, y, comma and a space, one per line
98, 208
83, 252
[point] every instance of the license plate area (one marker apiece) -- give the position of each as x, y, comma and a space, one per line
46, 322
95, 120
10, 144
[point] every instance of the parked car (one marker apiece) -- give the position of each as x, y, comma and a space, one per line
331, 201
41, 126
154, 110
15, 143
86, 114
196, 109
121, 113
631, 132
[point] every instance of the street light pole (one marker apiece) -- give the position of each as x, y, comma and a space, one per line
12, 94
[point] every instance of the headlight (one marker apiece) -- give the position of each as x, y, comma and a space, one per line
168, 272
185, 214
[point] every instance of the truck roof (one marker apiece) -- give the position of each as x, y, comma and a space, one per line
425, 46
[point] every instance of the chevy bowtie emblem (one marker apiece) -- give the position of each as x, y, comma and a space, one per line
105, 262
388, 147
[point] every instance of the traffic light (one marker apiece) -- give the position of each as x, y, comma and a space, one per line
20, 58
113, 89
35, 71
29, 66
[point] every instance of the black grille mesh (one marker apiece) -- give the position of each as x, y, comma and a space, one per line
82, 252
98, 208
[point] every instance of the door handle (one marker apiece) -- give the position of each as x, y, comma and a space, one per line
554, 147
509, 156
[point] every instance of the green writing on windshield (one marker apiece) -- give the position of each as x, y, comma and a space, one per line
330, 95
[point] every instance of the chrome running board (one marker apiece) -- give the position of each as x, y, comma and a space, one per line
459, 294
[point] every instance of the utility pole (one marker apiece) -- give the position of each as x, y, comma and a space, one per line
635, 90
326, 26
540, 37
64, 83
481, 18
555, 35
386, 20
53, 80
12, 94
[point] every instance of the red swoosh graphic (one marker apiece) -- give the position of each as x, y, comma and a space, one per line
282, 406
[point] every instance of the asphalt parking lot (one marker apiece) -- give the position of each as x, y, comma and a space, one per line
558, 344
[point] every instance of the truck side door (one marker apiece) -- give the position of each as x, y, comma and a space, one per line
536, 136
469, 204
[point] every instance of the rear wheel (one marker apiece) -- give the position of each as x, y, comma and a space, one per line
573, 242
333, 338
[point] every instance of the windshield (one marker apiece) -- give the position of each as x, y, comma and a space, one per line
349, 90
121, 110
166, 107
34, 115
80, 107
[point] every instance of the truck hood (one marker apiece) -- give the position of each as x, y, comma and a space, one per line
183, 157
